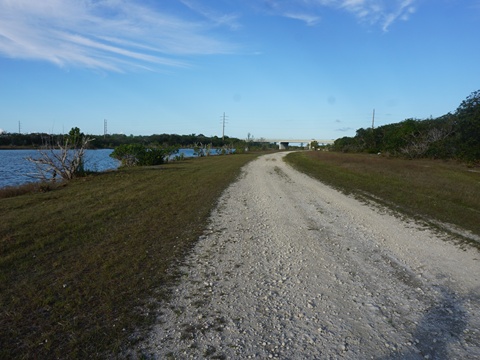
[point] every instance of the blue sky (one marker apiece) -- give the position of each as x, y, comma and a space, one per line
278, 69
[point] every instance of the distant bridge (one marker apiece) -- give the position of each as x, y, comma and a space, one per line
283, 144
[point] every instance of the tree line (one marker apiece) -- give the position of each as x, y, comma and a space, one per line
451, 136
110, 141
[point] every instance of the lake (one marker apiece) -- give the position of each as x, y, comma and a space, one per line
14, 168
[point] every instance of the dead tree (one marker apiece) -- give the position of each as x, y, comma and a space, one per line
63, 161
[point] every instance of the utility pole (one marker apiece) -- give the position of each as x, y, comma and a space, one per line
373, 119
19, 127
104, 128
224, 119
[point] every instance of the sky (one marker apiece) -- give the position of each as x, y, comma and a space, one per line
290, 69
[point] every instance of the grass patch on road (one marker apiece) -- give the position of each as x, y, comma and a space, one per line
446, 191
79, 263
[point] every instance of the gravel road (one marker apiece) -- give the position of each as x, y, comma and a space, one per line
292, 269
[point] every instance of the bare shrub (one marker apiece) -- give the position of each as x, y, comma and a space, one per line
63, 160
422, 142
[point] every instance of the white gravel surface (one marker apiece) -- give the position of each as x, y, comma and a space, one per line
290, 268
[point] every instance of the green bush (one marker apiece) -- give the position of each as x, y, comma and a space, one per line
140, 155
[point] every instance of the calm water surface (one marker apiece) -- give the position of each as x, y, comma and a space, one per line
14, 168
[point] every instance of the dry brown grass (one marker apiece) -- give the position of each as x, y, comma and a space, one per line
34, 187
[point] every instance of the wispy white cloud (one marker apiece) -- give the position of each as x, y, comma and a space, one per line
112, 35
403, 11
379, 12
213, 16
383, 13
308, 19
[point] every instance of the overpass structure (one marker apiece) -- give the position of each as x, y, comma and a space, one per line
283, 143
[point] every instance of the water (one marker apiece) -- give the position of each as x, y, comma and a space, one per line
14, 168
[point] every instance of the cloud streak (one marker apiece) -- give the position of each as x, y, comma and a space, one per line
214, 17
308, 19
111, 35
383, 13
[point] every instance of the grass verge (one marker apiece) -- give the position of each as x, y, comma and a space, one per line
443, 191
33, 187
79, 263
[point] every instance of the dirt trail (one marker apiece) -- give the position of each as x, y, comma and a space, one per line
290, 268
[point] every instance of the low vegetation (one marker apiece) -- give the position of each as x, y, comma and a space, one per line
445, 191
141, 155
451, 136
81, 263
28, 188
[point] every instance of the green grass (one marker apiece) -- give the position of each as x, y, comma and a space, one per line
445, 191
81, 263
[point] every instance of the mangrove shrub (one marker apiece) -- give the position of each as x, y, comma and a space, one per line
141, 155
